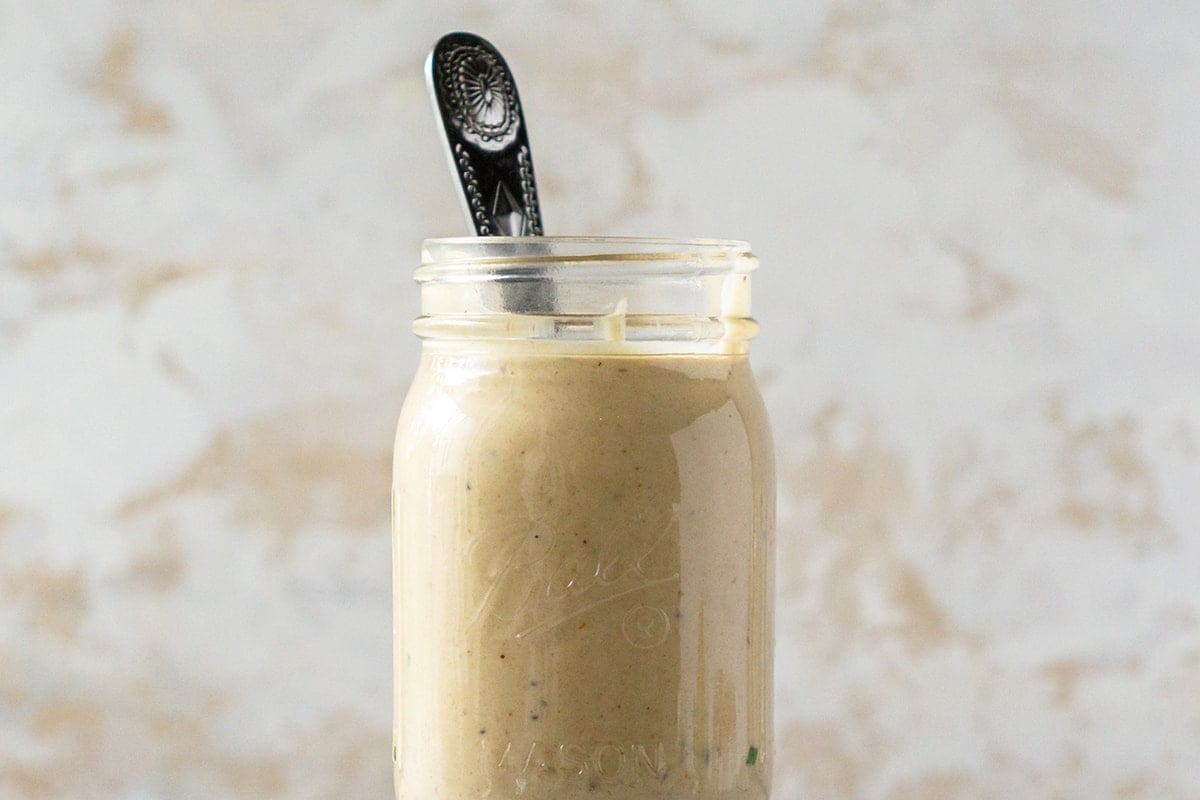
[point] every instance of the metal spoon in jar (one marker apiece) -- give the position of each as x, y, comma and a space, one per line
476, 99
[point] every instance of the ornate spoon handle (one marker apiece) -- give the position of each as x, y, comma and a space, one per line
477, 102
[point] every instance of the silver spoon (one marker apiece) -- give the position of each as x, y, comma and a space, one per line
476, 98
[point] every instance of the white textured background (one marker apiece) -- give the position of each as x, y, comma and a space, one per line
980, 231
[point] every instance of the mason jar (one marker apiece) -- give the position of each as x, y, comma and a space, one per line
583, 526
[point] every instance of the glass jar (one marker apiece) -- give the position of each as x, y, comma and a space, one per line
583, 513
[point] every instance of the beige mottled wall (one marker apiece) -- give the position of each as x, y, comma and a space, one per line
979, 295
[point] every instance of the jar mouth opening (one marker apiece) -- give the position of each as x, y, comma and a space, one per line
618, 291
496, 256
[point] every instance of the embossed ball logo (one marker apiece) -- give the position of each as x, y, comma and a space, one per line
481, 96
646, 626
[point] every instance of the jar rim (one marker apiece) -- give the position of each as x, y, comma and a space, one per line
624, 292
448, 256
648, 241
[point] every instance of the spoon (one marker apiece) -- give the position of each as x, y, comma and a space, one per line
476, 99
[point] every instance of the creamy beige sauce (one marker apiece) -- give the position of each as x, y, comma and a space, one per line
584, 569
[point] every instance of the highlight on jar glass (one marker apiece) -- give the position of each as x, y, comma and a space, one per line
583, 514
